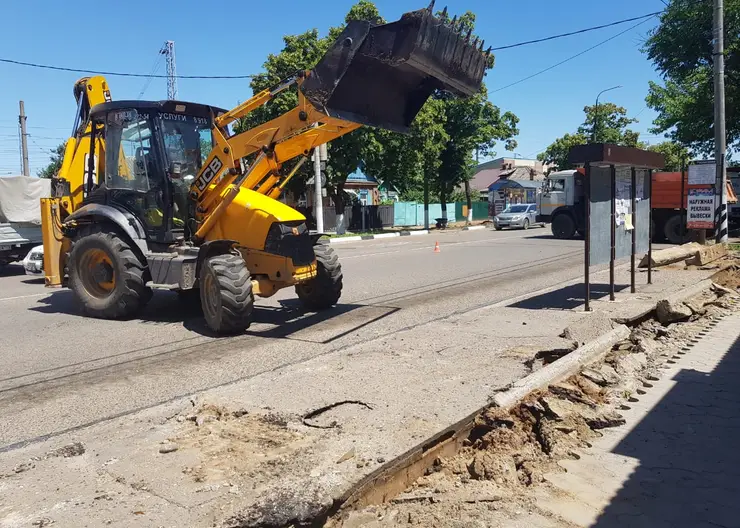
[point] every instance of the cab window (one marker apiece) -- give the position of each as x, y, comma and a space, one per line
557, 185
129, 158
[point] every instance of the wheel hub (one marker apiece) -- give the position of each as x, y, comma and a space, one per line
97, 273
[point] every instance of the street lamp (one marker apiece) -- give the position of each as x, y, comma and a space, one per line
596, 112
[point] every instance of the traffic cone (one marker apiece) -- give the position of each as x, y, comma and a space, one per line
436, 247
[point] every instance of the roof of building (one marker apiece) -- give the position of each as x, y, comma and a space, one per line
506, 183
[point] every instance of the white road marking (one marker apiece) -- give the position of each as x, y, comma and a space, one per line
25, 296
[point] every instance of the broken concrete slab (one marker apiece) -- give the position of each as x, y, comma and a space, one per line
672, 312
707, 254
663, 257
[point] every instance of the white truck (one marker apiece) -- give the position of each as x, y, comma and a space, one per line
20, 215
562, 203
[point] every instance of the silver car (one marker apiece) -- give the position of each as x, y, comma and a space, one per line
516, 215
34, 262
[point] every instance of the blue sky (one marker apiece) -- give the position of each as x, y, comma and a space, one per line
231, 38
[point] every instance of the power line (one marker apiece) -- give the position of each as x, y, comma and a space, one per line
119, 74
157, 62
571, 57
577, 32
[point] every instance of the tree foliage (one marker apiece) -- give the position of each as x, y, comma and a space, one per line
55, 163
676, 156
681, 49
440, 143
611, 124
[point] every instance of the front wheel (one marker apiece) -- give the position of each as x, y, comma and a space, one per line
105, 274
226, 294
563, 226
525, 225
324, 290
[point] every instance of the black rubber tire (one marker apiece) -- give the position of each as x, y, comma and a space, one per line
226, 294
563, 227
497, 228
525, 225
129, 293
672, 230
323, 291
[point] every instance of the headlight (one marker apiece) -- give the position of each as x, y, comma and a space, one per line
517, 217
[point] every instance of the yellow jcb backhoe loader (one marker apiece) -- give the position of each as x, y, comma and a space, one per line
153, 194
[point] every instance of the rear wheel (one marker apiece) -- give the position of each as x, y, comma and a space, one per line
226, 294
563, 226
105, 274
325, 289
673, 230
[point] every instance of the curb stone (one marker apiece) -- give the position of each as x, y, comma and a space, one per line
360, 238
582, 356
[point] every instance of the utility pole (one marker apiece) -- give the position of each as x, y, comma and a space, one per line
318, 208
719, 119
24, 140
168, 50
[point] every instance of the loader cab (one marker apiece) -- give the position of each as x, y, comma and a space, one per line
152, 153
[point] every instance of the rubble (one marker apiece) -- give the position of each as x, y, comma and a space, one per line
509, 451
670, 312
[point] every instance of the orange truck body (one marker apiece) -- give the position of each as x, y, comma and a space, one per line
667, 190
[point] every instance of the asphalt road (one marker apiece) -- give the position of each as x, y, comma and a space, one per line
62, 371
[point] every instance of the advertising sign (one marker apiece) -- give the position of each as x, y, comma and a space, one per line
702, 173
700, 209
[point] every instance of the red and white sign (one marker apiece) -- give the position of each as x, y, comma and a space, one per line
700, 207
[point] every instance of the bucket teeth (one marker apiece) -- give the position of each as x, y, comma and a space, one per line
481, 45
431, 6
454, 21
444, 14
467, 37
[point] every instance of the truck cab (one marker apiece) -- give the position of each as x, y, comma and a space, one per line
561, 203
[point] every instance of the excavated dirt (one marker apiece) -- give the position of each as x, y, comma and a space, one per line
491, 480
235, 444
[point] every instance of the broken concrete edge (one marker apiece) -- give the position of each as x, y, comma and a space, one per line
678, 297
561, 368
396, 475
708, 254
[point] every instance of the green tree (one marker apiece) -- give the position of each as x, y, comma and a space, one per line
611, 123
676, 156
681, 49
302, 52
556, 155
55, 163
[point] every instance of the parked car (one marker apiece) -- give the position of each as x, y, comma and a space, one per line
34, 261
517, 215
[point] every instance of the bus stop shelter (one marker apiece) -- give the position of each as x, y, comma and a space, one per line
617, 192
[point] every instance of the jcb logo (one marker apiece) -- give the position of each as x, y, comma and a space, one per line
209, 173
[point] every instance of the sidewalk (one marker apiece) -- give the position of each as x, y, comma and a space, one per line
287, 443
675, 463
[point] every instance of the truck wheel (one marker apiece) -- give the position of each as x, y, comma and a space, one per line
324, 290
672, 230
226, 294
563, 227
105, 274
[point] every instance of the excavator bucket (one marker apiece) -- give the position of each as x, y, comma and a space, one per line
381, 75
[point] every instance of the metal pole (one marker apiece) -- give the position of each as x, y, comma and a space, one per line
596, 112
650, 226
634, 230
426, 201
24, 140
719, 119
613, 229
683, 201
587, 256
318, 208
